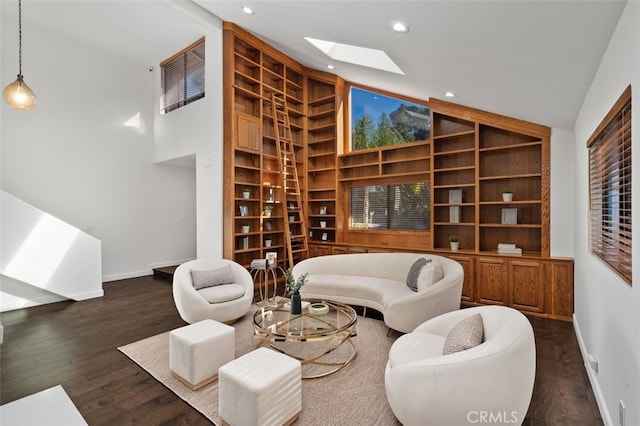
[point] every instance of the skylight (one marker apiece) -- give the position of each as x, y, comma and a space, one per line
363, 56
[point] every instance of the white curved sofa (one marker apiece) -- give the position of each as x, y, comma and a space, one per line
224, 303
494, 379
378, 281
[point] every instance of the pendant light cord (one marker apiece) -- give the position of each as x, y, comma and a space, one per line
20, 37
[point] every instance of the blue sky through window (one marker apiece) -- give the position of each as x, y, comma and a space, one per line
372, 104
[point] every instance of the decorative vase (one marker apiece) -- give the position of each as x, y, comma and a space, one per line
246, 194
454, 245
296, 304
245, 228
507, 196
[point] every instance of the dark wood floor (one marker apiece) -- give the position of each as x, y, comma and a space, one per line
75, 344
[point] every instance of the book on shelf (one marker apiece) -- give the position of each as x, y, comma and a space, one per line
455, 196
504, 248
454, 214
259, 264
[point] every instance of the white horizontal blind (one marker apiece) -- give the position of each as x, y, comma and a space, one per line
610, 187
183, 77
404, 206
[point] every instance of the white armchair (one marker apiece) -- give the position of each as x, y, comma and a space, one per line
491, 383
224, 303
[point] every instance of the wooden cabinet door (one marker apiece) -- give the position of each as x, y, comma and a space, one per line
340, 250
323, 250
468, 286
527, 285
491, 285
248, 131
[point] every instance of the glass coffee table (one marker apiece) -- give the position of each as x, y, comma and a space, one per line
323, 342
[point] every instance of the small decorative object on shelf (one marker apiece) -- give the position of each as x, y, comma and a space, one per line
509, 216
272, 258
325, 236
244, 210
267, 242
323, 210
453, 240
245, 227
323, 224
293, 288
246, 193
507, 195
268, 210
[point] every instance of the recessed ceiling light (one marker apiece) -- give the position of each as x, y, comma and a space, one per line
450, 95
400, 27
363, 56
247, 10
330, 66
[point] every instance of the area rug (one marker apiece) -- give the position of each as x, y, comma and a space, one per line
354, 395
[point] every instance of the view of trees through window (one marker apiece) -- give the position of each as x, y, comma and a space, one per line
404, 206
378, 120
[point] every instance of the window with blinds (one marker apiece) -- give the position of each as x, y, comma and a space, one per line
183, 77
398, 207
610, 187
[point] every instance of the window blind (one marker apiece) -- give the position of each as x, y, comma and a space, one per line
183, 77
610, 187
404, 206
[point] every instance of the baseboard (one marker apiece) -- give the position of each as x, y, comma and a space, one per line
168, 263
593, 378
126, 275
24, 303
143, 273
88, 295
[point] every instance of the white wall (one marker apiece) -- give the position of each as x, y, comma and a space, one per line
562, 193
196, 129
73, 157
607, 310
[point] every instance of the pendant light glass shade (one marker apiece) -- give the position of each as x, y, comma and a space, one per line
20, 96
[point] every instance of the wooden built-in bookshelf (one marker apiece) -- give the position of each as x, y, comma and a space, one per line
470, 151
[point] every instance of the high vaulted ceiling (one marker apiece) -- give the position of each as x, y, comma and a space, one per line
532, 60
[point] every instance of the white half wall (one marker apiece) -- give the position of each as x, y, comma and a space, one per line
196, 130
607, 309
85, 153
44, 259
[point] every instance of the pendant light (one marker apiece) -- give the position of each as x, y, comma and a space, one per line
18, 95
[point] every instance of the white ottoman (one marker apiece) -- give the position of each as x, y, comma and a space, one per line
263, 387
196, 351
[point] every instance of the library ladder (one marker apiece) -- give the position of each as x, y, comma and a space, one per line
295, 227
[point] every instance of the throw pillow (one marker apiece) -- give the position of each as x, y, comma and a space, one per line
430, 274
467, 334
414, 271
212, 277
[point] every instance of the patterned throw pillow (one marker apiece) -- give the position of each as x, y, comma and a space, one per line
414, 271
212, 277
467, 334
